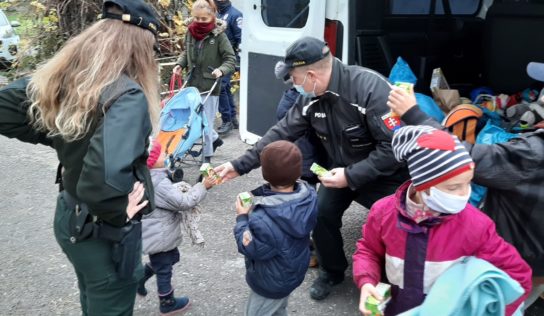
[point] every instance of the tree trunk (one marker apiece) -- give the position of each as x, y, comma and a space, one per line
75, 15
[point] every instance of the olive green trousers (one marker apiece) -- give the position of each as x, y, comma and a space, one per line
101, 292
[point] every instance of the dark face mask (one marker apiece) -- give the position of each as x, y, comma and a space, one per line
222, 6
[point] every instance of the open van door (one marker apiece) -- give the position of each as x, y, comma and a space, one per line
270, 26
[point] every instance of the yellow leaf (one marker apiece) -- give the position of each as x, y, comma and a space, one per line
164, 3
178, 20
38, 6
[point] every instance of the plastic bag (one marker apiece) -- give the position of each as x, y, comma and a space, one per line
490, 134
401, 72
427, 105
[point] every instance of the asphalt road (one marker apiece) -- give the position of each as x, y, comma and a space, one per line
37, 279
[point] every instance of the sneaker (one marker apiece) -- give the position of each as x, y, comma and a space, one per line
170, 305
235, 123
225, 128
216, 143
322, 286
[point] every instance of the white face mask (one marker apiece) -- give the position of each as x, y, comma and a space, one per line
444, 202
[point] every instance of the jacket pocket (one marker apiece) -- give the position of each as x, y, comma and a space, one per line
356, 137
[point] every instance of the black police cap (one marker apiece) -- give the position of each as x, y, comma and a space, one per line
135, 12
305, 51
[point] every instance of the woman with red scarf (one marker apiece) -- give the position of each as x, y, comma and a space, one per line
208, 55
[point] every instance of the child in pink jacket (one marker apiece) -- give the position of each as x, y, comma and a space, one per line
427, 225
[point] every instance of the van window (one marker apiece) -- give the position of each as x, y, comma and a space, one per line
285, 13
423, 7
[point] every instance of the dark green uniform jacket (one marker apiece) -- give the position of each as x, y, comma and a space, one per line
101, 168
213, 51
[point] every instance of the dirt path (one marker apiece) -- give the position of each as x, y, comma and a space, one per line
37, 279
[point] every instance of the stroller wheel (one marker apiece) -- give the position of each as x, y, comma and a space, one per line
195, 153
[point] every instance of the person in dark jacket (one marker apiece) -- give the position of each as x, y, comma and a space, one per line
208, 56
233, 19
309, 145
514, 177
274, 232
345, 107
96, 112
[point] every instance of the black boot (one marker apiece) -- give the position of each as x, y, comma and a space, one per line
235, 123
224, 128
171, 304
217, 143
148, 272
322, 286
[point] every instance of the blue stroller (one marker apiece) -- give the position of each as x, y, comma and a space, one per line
182, 125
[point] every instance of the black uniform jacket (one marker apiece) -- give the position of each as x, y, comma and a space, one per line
352, 121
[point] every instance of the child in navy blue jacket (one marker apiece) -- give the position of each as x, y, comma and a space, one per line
274, 232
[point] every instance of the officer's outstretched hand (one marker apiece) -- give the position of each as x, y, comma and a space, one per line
335, 178
226, 171
135, 203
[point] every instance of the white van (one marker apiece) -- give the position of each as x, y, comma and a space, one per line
9, 40
475, 42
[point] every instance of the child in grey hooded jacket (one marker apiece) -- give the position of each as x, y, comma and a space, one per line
161, 229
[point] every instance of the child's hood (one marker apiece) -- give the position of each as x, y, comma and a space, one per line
294, 212
158, 175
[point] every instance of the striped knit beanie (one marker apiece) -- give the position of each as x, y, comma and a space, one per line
433, 156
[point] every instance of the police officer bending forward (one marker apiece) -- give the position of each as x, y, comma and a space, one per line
345, 106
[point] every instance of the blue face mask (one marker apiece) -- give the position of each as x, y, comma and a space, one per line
300, 88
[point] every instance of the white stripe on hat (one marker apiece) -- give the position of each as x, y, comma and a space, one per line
443, 171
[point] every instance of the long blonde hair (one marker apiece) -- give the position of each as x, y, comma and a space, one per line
65, 90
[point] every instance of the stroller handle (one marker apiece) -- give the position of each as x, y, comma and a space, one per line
208, 93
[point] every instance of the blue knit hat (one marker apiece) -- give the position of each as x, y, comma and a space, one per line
433, 156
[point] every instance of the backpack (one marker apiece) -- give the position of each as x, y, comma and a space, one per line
462, 121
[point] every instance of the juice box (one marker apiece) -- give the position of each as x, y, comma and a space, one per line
207, 171
409, 87
246, 199
318, 170
378, 307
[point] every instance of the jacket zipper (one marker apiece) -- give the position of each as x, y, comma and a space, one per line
334, 142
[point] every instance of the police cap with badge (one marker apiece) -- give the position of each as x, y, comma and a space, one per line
305, 51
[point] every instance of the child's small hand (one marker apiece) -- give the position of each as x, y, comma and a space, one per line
367, 290
209, 182
240, 209
400, 100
